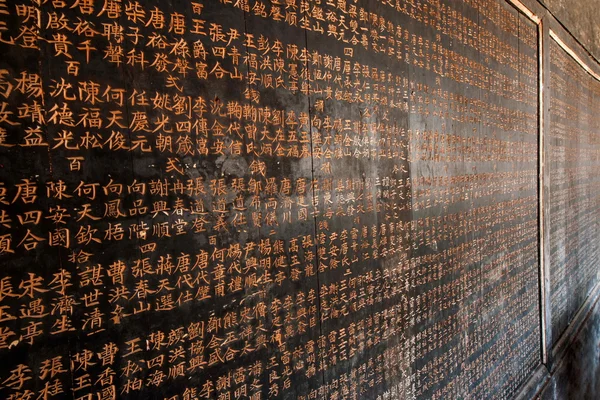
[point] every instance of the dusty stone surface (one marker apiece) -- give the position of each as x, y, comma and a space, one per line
581, 18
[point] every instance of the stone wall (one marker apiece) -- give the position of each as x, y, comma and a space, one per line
581, 18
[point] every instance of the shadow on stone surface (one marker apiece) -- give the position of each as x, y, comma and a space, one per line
578, 375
